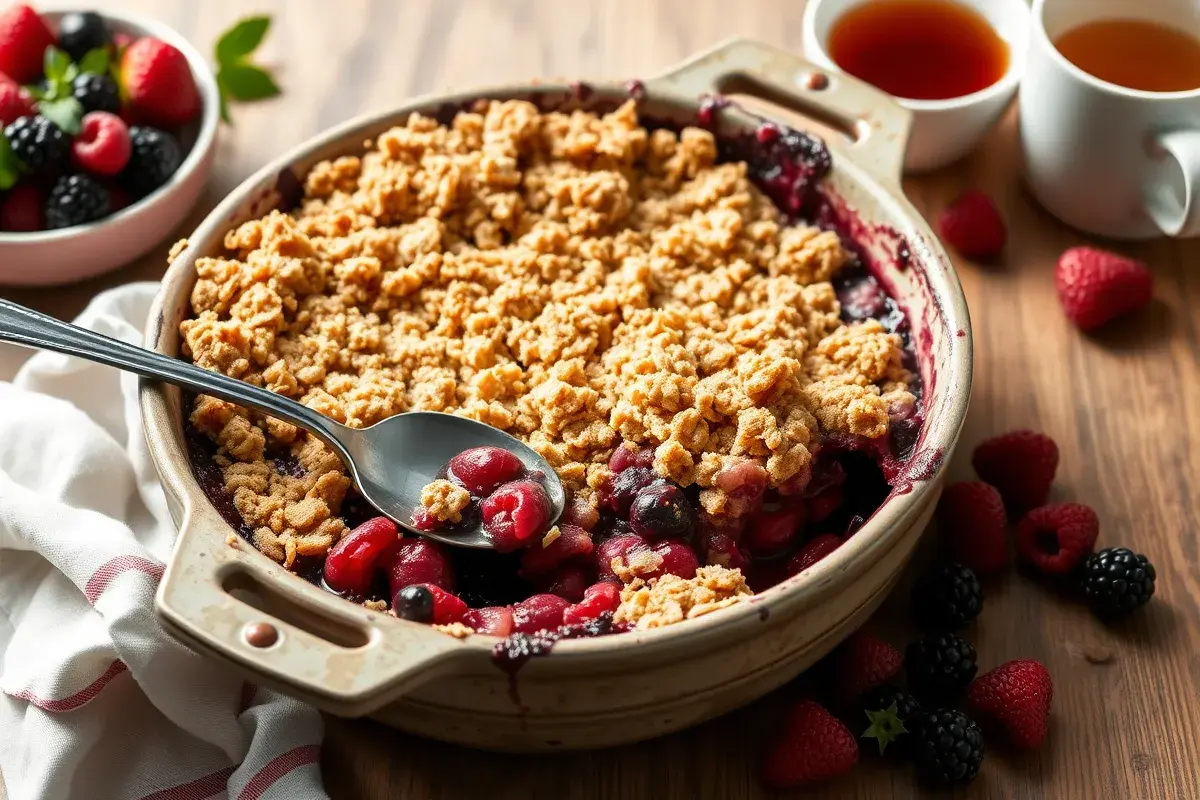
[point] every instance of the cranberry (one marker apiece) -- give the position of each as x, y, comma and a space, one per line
721, 550
812, 552
599, 598
744, 482
351, 563
571, 542
677, 559
621, 548
822, 506
424, 521
492, 621
419, 561
414, 603
625, 487
568, 582
627, 456
482, 469
538, 613
660, 511
581, 514
771, 532
515, 514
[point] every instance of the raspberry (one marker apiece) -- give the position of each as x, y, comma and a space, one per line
597, 599
21, 210
37, 142
1095, 286
972, 526
861, 664
1056, 539
814, 746
102, 146
973, 226
76, 200
154, 158
24, 38
351, 564
1021, 465
1015, 697
538, 559
482, 469
14, 102
158, 84
1117, 581
516, 514
813, 552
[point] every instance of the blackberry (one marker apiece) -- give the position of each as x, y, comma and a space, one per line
940, 666
96, 93
75, 200
81, 31
947, 747
892, 714
414, 603
947, 598
155, 157
37, 142
1117, 581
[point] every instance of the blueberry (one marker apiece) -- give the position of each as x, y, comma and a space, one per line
625, 487
661, 511
415, 603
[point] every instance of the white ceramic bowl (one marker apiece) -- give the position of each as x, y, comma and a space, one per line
49, 258
943, 130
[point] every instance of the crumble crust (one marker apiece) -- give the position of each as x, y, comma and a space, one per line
571, 278
445, 500
670, 599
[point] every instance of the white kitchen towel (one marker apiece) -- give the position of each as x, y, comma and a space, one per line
96, 701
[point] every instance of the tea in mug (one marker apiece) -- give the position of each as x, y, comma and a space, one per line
1136, 54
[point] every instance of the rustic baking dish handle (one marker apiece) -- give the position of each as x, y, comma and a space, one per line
877, 126
227, 601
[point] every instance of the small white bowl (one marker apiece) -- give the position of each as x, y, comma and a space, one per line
49, 258
943, 130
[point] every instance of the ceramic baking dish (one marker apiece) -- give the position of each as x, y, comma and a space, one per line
228, 601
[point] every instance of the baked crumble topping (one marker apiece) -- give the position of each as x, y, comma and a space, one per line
445, 500
670, 598
574, 279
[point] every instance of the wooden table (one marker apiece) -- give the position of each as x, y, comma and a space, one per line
1124, 407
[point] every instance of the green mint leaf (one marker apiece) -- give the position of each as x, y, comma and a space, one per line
56, 64
94, 62
245, 82
226, 117
241, 40
10, 168
38, 92
65, 113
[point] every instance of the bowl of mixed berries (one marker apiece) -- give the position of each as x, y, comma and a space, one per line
108, 127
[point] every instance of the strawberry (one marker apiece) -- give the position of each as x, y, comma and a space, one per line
815, 746
1020, 464
1056, 539
14, 102
24, 38
972, 526
973, 226
158, 84
1015, 698
1095, 286
861, 664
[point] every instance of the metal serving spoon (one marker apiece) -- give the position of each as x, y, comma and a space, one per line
389, 462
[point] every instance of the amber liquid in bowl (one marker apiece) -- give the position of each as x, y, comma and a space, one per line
919, 49
1135, 54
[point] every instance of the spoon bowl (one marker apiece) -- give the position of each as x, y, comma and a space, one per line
390, 462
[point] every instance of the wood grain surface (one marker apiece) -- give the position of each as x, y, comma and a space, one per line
1124, 407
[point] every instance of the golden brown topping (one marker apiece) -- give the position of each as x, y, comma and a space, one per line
670, 599
445, 500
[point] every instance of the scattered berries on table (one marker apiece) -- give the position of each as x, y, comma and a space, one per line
96, 93
862, 663
1014, 697
1096, 286
102, 146
154, 158
940, 667
24, 37
75, 200
14, 102
972, 526
21, 209
891, 714
1056, 539
973, 226
1117, 581
82, 31
947, 598
1021, 465
814, 746
947, 747
37, 142
158, 84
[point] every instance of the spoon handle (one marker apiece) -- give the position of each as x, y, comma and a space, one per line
30, 328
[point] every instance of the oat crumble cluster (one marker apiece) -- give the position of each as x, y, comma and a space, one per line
670, 599
445, 500
571, 278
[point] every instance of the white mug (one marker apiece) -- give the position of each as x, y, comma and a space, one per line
1112, 161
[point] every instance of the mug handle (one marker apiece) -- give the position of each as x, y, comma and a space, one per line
876, 125
1175, 206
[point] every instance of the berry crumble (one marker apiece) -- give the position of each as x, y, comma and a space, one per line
707, 374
